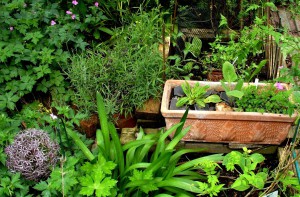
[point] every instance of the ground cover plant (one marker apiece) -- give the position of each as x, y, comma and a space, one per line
38, 38
37, 42
147, 166
127, 69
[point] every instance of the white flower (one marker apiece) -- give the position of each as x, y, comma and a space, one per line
53, 116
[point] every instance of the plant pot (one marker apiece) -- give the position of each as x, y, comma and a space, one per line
122, 121
89, 126
228, 127
215, 75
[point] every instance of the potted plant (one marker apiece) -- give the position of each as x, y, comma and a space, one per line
126, 70
232, 126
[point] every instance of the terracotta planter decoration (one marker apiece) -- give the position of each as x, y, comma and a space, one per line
227, 126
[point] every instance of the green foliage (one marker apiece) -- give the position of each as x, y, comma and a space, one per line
62, 179
36, 39
241, 48
140, 170
97, 179
266, 99
187, 61
232, 90
212, 187
126, 70
196, 95
10, 185
247, 163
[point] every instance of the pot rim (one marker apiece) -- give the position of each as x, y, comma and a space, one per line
220, 115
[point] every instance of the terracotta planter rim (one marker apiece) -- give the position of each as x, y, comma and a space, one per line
255, 116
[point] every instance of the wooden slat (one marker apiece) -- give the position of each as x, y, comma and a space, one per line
297, 22
293, 29
283, 18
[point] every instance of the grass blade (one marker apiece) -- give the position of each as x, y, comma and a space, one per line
103, 122
180, 183
192, 163
81, 145
118, 147
177, 139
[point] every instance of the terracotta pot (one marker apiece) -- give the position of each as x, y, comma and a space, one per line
215, 75
122, 121
89, 126
229, 127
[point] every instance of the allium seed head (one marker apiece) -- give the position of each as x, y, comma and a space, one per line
33, 154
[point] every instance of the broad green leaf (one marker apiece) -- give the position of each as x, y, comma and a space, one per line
228, 72
240, 184
106, 30
257, 158
224, 85
212, 99
201, 102
235, 93
239, 85
182, 101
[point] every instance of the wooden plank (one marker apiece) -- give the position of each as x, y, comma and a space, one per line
297, 22
283, 18
274, 19
293, 28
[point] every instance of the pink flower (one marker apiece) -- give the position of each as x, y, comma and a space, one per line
68, 12
53, 22
96, 4
74, 2
279, 86
73, 16
11, 28
280, 67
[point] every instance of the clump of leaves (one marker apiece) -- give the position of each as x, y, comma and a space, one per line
232, 90
33, 154
265, 99
97, 179
212, 187
247, 163
196, 95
